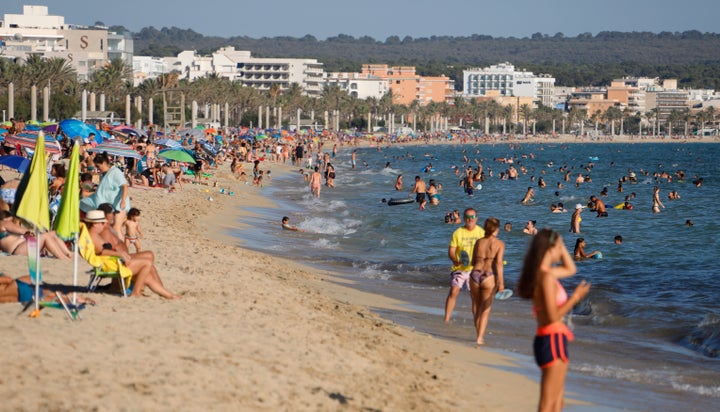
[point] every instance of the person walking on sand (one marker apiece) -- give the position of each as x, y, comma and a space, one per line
460, 252
486, 277
575, 219
546, 261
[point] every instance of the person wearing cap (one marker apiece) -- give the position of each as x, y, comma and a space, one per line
142, 270
575, 219
460, 252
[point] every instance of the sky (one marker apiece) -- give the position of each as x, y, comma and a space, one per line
383, 18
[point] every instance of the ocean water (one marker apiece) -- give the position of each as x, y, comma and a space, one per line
652, 318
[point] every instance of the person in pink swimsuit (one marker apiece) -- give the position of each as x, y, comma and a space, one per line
548, 260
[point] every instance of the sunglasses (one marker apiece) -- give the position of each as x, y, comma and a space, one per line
470, 216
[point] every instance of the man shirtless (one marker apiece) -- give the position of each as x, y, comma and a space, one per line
599, 206
419, 189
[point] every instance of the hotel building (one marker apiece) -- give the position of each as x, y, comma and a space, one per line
87, 49
504, 81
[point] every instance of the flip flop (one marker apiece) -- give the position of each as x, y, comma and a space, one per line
504, 294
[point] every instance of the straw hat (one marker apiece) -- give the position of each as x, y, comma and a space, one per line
95, 216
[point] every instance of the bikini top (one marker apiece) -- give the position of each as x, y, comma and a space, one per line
560, 296
4, 234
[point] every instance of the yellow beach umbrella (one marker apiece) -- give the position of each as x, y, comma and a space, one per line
67, 221
31, 205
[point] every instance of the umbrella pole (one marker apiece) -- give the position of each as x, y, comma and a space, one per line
75, 268
38, 273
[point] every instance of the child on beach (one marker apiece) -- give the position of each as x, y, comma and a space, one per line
132, 229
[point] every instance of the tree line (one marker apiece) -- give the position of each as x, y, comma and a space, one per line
691, 56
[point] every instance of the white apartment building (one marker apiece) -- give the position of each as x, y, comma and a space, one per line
86, 49
260, 73
148, 67
503, 80
359, 85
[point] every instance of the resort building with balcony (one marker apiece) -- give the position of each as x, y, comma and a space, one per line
503, 80
358, 85
260, 73
407, 86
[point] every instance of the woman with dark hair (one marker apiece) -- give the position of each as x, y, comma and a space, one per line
113, 189
579, 251
486, 277
548, 260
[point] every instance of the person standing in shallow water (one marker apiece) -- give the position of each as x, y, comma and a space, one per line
656, 200
575, 219
486, 277
460, 252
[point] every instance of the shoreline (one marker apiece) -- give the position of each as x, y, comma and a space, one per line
275, 332
252, 331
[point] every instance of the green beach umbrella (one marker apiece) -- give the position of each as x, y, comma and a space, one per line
31, 199
67, 221
177, 154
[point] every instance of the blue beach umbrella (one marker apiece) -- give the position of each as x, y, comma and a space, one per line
18, 163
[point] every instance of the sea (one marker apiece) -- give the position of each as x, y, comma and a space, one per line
647, 337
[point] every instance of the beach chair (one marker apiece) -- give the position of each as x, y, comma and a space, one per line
103, 266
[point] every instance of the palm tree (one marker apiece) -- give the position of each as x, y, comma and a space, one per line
526, 111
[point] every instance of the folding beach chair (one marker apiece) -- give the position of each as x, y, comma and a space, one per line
103, 266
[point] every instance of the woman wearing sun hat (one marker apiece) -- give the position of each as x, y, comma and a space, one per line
575, 219
143, 275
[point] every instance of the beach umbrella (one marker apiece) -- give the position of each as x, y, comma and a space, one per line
169, 143
28, 142
67, 221
74, 128
129, 130
176, 154
115, 148
31, 205
18, 163
49, 128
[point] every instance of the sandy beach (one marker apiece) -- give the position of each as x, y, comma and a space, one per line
252, 332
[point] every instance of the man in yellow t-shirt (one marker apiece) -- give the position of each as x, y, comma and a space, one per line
460, 252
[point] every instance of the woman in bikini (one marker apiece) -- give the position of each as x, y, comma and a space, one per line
486, 277
547, 261
13, 242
